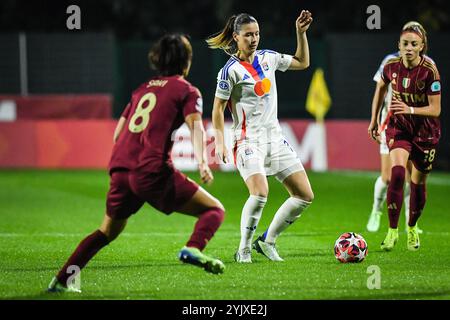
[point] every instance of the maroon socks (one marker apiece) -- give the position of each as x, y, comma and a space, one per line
395, 195
82, 254
417, 202
207, 224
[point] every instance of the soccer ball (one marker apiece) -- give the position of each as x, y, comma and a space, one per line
350, 247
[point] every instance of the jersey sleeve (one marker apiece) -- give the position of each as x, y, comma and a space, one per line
193, 102
282, 61
224, 84
378, 75
385, 74
433, 82
126, 112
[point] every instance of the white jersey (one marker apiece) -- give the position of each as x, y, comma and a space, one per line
251, 91
388, 97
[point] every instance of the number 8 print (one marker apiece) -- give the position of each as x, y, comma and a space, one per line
143, 113
432, 154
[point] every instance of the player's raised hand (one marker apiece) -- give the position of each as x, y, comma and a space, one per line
205, 173
303, 21
399, 107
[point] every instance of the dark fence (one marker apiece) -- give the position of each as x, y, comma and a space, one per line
98, 63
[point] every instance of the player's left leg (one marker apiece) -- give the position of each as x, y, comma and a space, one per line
85, 251
407, 195
417, 203
301, 196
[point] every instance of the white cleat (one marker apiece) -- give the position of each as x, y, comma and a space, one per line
267, 249
243, 256
374, 221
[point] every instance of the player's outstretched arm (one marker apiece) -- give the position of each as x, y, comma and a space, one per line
218, 121
377, 101
198, 137
300, 60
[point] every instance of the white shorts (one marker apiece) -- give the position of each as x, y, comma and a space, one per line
276, 158
384, 149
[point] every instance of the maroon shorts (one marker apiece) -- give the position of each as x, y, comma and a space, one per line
421, 153
166, 191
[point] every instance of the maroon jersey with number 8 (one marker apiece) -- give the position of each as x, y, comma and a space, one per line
419, 135
156, 109
413, 86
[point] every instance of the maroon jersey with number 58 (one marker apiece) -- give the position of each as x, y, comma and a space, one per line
413, 86
157, 108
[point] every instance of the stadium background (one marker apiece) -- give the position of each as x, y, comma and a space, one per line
108, 55
77, 83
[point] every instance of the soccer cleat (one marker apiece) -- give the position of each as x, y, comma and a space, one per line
243, 256
56, 287
390, 240
419, 231
374, 221
196, 257
266, 249
413, 238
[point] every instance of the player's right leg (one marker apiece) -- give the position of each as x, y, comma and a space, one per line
399, 157
85, 251
210, 213
250, 163
251, 214
120, 204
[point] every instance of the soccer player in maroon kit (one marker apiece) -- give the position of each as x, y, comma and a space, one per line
141, 167
413, 129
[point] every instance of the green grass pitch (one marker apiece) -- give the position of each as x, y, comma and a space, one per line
44, 215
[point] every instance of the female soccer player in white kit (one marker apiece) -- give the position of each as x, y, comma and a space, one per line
246, 84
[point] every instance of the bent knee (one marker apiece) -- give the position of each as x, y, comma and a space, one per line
219, 205
308, 197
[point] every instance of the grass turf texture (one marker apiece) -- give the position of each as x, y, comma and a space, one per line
44, 215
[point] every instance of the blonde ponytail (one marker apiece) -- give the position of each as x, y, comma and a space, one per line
224, 40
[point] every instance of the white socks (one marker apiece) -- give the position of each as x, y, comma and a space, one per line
379, 194
289, 211
406, 196
251, 213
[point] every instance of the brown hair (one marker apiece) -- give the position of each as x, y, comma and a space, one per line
224, 39
417, 28
171, 55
